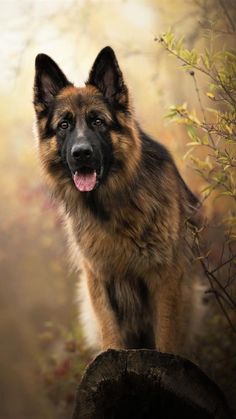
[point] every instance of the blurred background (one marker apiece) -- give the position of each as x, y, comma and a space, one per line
42, 354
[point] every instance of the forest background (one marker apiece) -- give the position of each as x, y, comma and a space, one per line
184, 93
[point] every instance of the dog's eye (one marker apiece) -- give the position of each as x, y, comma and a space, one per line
64, 124
97, 122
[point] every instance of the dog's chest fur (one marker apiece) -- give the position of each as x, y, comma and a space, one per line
136, 242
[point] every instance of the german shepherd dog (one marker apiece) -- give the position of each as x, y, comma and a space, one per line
125, 207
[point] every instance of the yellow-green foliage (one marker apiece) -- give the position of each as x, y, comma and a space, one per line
212, 153
215, 127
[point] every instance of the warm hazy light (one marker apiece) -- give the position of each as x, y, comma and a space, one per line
140, 15
39, 26
38, 303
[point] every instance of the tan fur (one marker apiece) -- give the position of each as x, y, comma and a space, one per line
171, 288
144, 238
132, 248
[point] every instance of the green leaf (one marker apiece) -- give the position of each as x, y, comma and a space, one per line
191, 132
188, 153
210, 95
205, 140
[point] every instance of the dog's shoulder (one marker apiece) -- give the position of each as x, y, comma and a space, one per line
153, 150
159, 164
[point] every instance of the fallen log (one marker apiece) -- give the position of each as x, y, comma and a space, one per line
146, 384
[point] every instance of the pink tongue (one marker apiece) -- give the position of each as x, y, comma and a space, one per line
85, 182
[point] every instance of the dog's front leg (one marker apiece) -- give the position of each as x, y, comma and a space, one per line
173, 314
109, 329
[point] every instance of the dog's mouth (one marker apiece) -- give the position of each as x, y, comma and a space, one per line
87, 179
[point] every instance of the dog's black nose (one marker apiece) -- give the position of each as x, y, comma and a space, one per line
82, 152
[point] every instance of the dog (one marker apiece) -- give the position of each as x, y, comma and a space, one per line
125, 205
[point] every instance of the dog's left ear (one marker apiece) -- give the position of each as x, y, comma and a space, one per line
107, 77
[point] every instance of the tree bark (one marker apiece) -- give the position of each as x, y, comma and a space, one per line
146, 384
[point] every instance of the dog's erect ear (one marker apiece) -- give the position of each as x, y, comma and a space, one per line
107, 77
49, 80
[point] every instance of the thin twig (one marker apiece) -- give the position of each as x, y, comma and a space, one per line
202, 108
223, 264
196, 67
223, 308
211, 278
222, 5
217, 79
223, 289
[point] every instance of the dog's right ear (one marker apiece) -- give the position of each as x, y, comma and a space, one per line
49, 80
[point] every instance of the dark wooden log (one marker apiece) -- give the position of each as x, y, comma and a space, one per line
146, 384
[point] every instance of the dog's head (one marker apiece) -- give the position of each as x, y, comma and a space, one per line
83, 131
